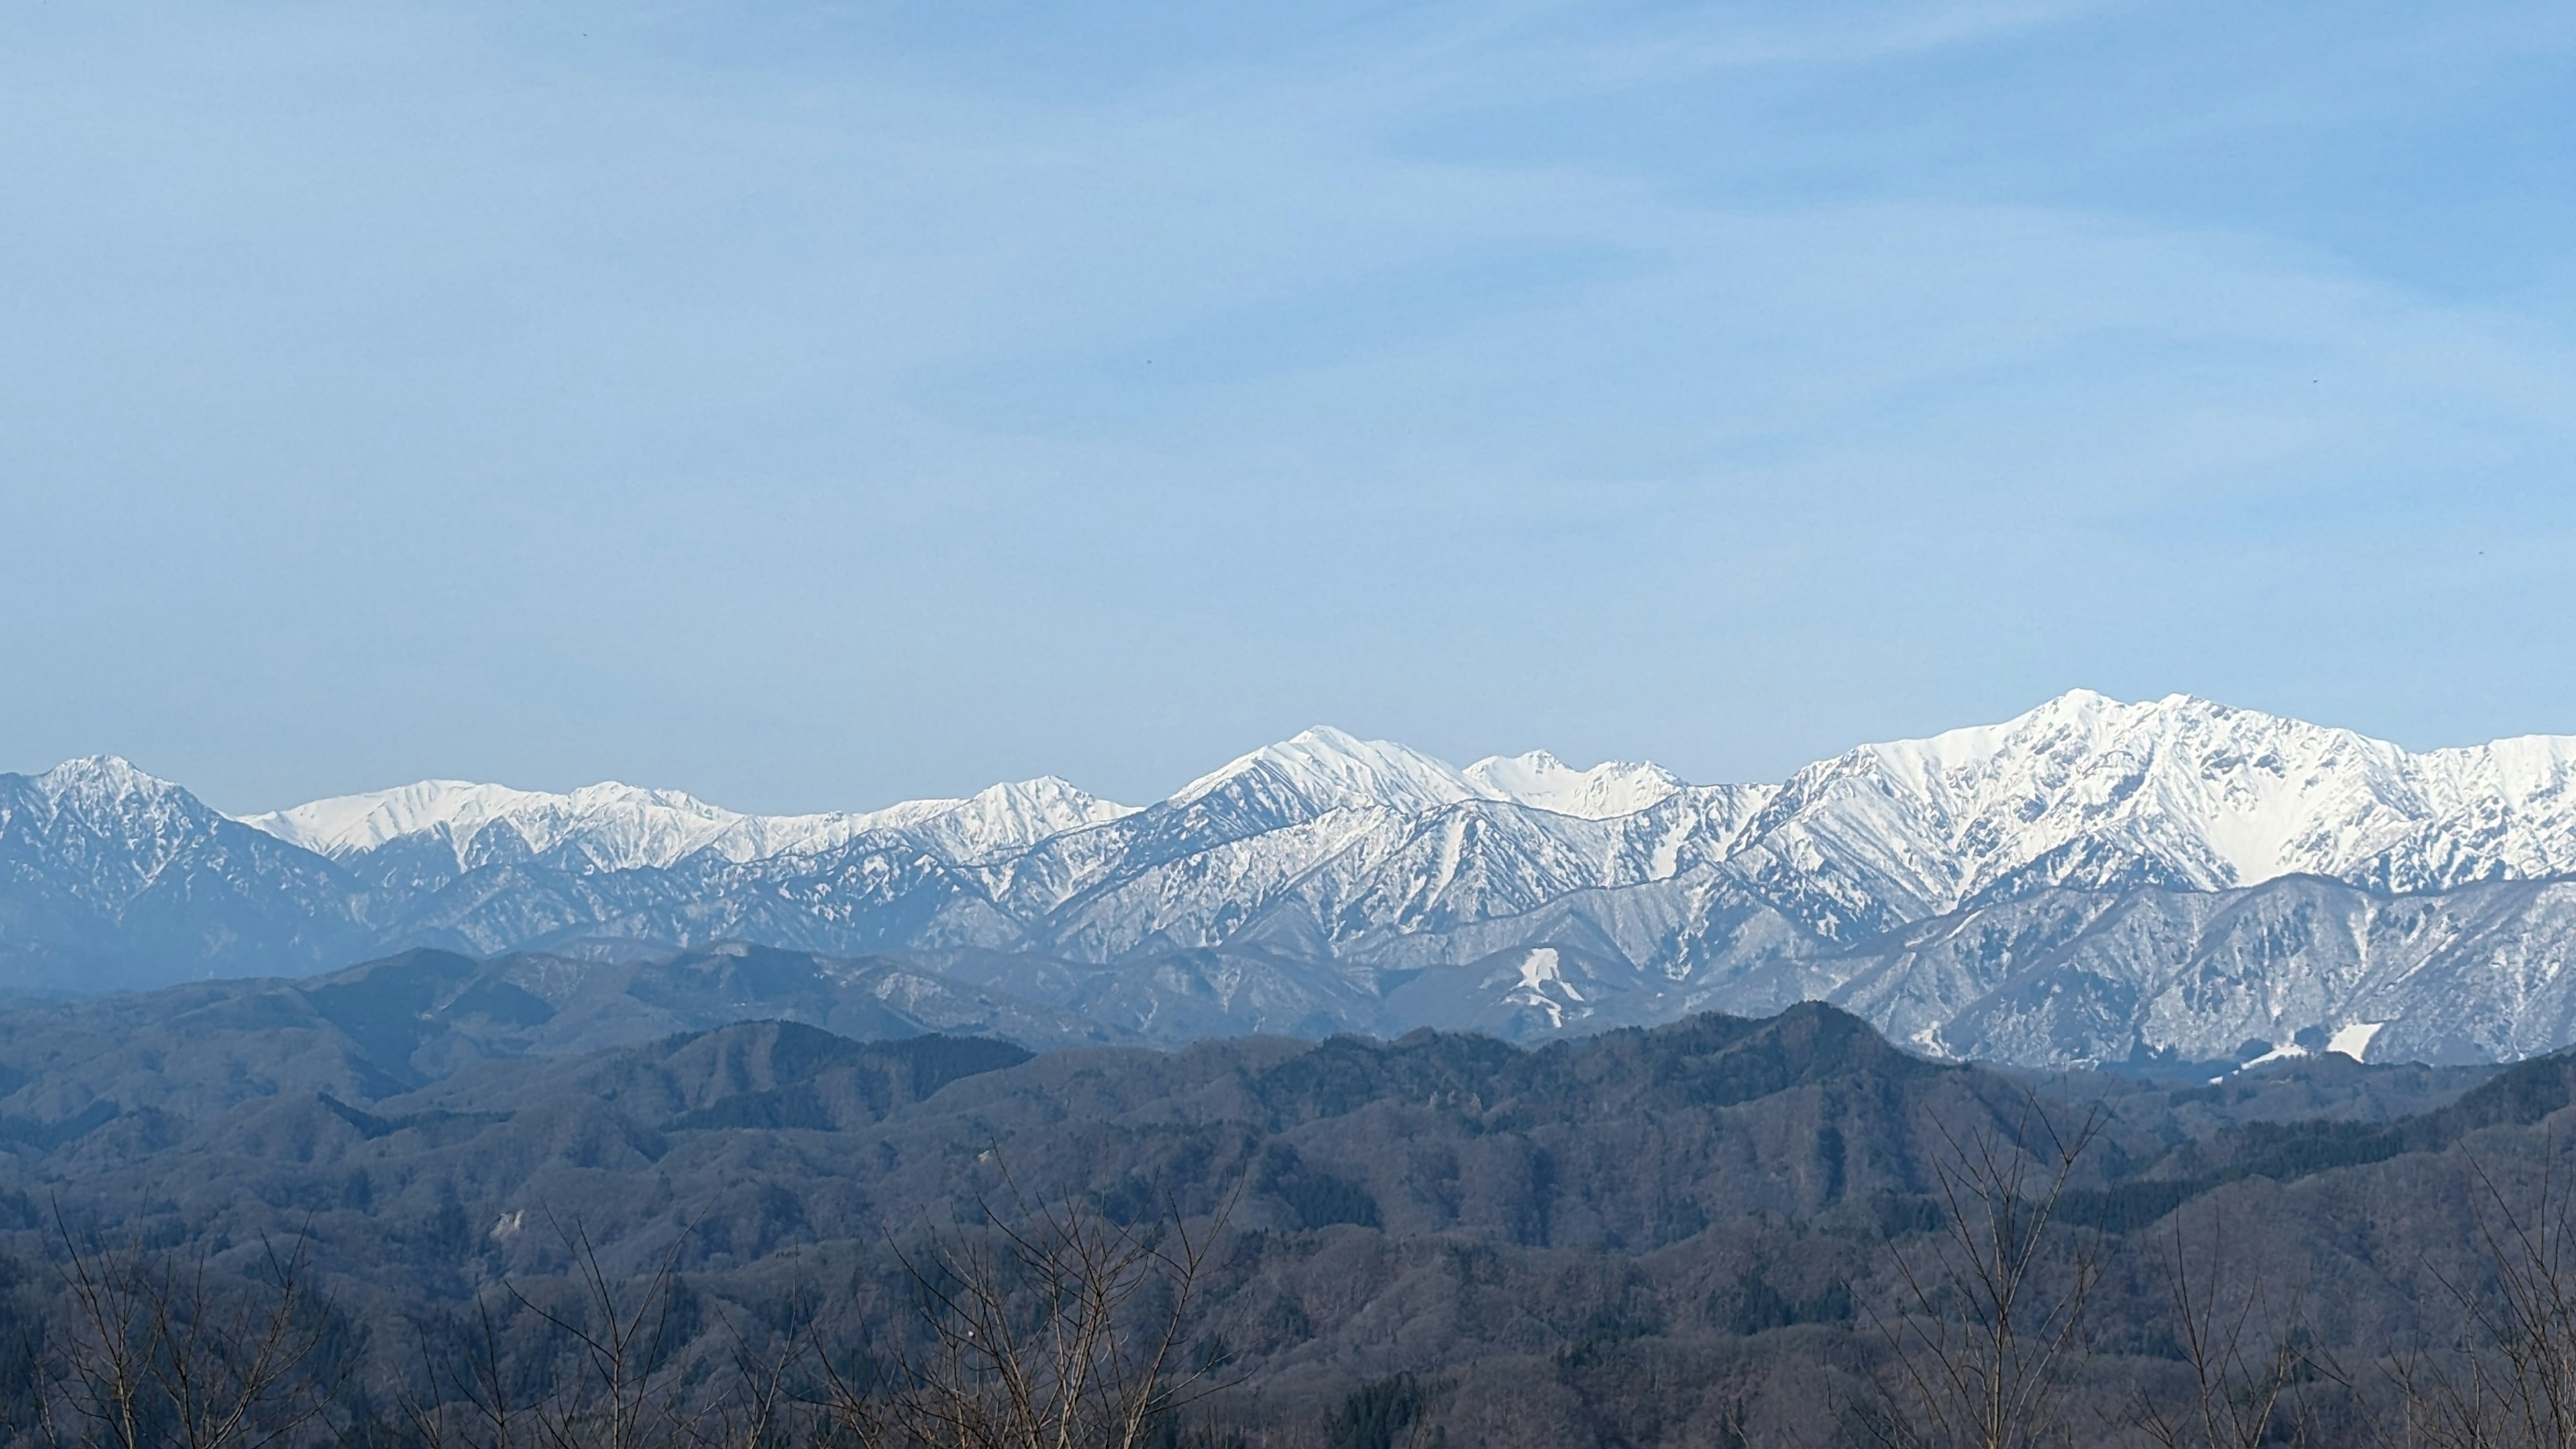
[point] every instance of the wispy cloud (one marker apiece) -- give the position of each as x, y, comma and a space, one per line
1718, 383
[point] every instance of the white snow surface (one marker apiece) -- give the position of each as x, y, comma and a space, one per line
1603, 792
1327, 769
623, 827
2209, 795
95, 784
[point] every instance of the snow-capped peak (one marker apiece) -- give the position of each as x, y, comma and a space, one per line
613, 826
1613, 788
1327, 769
621, 826
107, 794
2196, 792
99, 778
998, 819
345, 824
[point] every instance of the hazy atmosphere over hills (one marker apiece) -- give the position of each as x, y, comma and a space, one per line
2091, 882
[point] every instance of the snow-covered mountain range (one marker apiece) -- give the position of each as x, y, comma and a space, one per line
2091, 880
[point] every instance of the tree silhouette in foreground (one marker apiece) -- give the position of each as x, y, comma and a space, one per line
1990, 1333
161, 1349
1051, 1327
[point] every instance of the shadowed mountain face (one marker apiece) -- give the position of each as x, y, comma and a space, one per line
424, 1078
2092, 882
399, 1024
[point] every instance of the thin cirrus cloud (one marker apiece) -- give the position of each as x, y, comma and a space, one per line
813, 405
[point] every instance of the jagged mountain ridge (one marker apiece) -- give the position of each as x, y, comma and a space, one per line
2082, 791
1385, 871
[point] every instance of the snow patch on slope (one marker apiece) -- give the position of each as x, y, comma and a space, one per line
2354, 1040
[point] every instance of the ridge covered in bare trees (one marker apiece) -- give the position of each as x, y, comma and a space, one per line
1726, 1231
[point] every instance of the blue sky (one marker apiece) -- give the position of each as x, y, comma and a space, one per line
813, 405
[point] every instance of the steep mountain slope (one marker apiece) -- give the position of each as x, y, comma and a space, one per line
110, 878
2086, 791
2482, 973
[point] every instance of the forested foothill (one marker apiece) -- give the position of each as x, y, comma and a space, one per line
230, 1215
